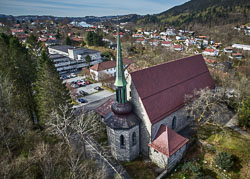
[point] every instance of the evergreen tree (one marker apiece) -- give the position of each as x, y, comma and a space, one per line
244, 113
33, 45
58, 35
88, 60
93, 39
50, 92
68, 41
16, 64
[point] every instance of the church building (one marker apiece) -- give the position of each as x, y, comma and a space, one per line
149, 109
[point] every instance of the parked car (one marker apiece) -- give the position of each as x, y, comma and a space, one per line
73, 75
81, 100
81, 83
87, 82
98, 88
84, 93
75, 86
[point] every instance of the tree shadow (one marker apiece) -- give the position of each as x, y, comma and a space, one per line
210, 173
237, 164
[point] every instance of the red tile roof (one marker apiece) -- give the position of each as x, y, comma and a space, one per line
162, 88
166, 42
236, 54
168, 141
109, 64
209, 60
105, 108
209, 50
141, 39
177, 46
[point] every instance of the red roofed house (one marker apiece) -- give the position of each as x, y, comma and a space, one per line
156, 97
210, 52
107, 69
166, 43
178, 47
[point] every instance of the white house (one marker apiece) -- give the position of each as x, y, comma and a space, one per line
240, 46
210, 52
178, 48
166, 43
228, 50
107, 69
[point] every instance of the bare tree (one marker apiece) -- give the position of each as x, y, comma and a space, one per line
208, 106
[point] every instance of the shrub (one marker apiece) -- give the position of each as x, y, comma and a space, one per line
224, 160
244, 113
191, 167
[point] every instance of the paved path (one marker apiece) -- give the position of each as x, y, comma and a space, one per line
233, 124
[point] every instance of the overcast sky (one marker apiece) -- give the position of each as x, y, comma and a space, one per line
79, 8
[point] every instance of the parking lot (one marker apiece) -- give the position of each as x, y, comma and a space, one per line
93, 94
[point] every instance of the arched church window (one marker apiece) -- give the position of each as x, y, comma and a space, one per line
133, 138
174, 123
122, 141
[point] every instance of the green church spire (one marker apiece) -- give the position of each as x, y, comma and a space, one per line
120, 81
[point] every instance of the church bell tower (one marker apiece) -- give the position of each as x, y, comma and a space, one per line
122, 123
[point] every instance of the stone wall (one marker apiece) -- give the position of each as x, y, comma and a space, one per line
163, 161
158, 158
181, 122
176, 157
139, 110
127, 152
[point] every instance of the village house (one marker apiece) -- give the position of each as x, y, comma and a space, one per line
149, 109
190, 42
228, 50
241, 46
153, 42
178, 47
236, 56
137, 35
166, 43
141, 41
210, 52
107, 69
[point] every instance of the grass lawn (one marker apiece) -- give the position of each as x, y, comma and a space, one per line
140, 169
236, 144
218, 140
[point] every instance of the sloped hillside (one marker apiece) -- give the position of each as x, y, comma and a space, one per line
208, 12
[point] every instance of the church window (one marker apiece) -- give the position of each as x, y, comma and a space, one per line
133, 138
122, 141
174, 123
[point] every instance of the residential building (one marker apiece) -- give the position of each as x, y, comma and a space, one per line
210, 52
107, 69
166, 43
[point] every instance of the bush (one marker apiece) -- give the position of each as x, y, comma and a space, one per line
244, 113
191, 167
224, 160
